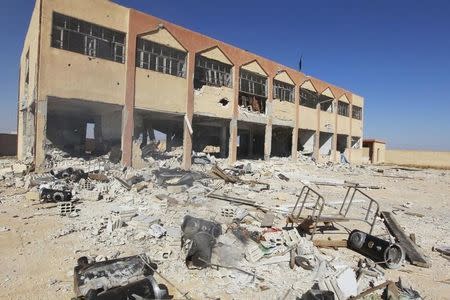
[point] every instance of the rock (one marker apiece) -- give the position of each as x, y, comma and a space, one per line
114, 223
157, 230
140, 186
19, 168
176, 189
73, 214
32, 196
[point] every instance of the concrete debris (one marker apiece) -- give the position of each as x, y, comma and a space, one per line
227, 221
157, 230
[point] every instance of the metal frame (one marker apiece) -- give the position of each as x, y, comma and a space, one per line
320, 203
350, 200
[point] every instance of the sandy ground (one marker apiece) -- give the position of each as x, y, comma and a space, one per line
38, 251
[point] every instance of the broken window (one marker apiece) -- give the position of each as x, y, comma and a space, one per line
211, 72
252, 83
356, 112
343, 108
160, 58
283, 91
86, 38
308, 98
252, 103
326, 103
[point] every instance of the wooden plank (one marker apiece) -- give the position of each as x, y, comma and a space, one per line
412, 251
330, 243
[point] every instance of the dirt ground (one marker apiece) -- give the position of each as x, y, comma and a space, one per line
38, 249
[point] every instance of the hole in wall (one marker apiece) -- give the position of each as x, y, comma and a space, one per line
224, 101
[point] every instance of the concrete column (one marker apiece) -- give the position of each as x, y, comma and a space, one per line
316, 153
169, 135
128, 109
223, 141
187, 137
296, 124
268, 133
334, 143
41, 133
232, 148
250, 142
349, 141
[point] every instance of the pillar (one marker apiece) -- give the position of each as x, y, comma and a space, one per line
187, 121
268, 133
294, 148
349, 139
128, 108
41, 132
250, 142
169, 135
334, 142
232, 148
223, 141
316, 153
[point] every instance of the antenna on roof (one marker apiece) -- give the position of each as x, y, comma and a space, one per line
300, 62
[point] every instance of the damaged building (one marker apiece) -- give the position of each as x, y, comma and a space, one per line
96, 76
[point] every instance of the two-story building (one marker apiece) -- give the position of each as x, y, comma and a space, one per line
93, 65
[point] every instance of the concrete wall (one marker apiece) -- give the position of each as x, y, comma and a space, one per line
357, 156
434, 159
8, 144
160, 92
357, 128
357, 125
206, 101
366, 153
28, 92
307, 118
327, 121
343, 125
283, 110
67, 74
378, 153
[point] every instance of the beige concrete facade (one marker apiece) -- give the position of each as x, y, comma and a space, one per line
417, 158
171, 104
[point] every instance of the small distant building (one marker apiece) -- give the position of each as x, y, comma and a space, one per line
377, 150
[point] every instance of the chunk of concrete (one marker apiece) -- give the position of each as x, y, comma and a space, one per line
346, 281
32, 196
268, 219
176, 189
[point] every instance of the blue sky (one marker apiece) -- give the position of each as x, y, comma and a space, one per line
396, 54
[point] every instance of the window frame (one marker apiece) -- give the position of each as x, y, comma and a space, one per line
310, 102
356, 112
283, 91
66, 29
212, 72
343, 108
160, 58
255, 83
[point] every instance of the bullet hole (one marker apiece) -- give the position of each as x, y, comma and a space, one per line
118, 83
224, 101
69, 65
148, 76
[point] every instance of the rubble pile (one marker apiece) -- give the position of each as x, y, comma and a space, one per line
215, 231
